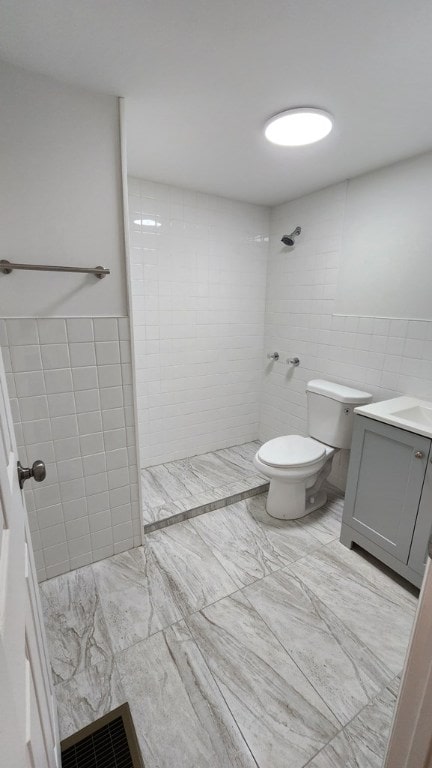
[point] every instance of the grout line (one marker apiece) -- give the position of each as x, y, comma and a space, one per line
221, 692
371, 701
348, 630
303, 674
241, 589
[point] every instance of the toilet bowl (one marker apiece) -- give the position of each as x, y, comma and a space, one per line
298, 466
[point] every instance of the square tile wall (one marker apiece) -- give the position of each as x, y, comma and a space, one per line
386, 357
70, 383
198, 275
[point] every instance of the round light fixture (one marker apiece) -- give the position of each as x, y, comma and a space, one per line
296, 127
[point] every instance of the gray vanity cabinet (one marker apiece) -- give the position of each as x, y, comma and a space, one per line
388, 503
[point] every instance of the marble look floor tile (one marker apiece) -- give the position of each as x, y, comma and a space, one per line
280, 715
188, 484
155, 489
194, 481
150, 587
340, 667
87, 696
195, 576
136, 596
241, 544
288, 537
376, 575
76, 630
179, 714
158, 512
325, 523
394, 685
235, 466
241, 455
362, 743
216, 470
175, 484
378, 609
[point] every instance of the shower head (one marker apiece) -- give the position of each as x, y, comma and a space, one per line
290, 239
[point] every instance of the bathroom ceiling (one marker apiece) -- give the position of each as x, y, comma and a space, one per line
202, 76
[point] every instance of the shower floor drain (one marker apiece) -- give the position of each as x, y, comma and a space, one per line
109, 742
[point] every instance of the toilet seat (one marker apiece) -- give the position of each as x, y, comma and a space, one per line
291, 451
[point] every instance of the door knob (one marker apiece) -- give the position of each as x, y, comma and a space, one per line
419, 454
37, 471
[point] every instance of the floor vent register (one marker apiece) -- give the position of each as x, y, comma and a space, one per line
109, 742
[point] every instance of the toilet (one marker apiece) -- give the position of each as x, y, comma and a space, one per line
298, 466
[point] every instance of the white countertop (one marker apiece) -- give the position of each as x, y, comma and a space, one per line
405, 412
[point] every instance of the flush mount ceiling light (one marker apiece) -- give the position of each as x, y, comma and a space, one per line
296, 127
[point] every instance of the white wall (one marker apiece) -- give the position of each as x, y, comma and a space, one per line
60, 197
68, 370
386, 268
198, 292
383, 356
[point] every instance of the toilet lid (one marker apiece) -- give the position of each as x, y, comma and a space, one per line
291, 451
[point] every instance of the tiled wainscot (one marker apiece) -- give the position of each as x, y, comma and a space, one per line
70, 383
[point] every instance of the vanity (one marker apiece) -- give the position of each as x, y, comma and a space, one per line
388, 502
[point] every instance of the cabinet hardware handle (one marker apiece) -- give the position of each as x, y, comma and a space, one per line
419, 454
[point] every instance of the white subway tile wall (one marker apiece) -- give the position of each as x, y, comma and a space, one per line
383, 356
198, 268
70, 384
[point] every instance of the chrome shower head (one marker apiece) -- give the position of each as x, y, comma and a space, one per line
290, 239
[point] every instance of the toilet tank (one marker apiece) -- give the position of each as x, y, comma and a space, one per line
330, 411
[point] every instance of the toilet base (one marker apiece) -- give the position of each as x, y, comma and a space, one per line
297, 507
286, 502
290, 501
315, 502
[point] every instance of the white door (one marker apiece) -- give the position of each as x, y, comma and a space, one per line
410, 743
28, 721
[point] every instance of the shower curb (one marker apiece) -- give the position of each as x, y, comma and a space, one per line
203, 508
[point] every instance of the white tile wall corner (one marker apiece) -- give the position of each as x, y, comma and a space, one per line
386, 357
70, 383
198, 274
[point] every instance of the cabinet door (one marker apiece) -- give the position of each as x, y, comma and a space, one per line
422, 531
385, 480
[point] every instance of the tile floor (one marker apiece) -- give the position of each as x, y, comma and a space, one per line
189, 487
238, 640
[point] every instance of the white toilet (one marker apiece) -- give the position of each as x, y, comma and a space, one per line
298, 466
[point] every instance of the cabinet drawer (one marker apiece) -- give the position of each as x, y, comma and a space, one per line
385, 480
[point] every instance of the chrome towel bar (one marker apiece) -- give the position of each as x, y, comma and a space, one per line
8, 266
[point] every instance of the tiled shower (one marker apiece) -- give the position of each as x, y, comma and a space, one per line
198, 277
213, 291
